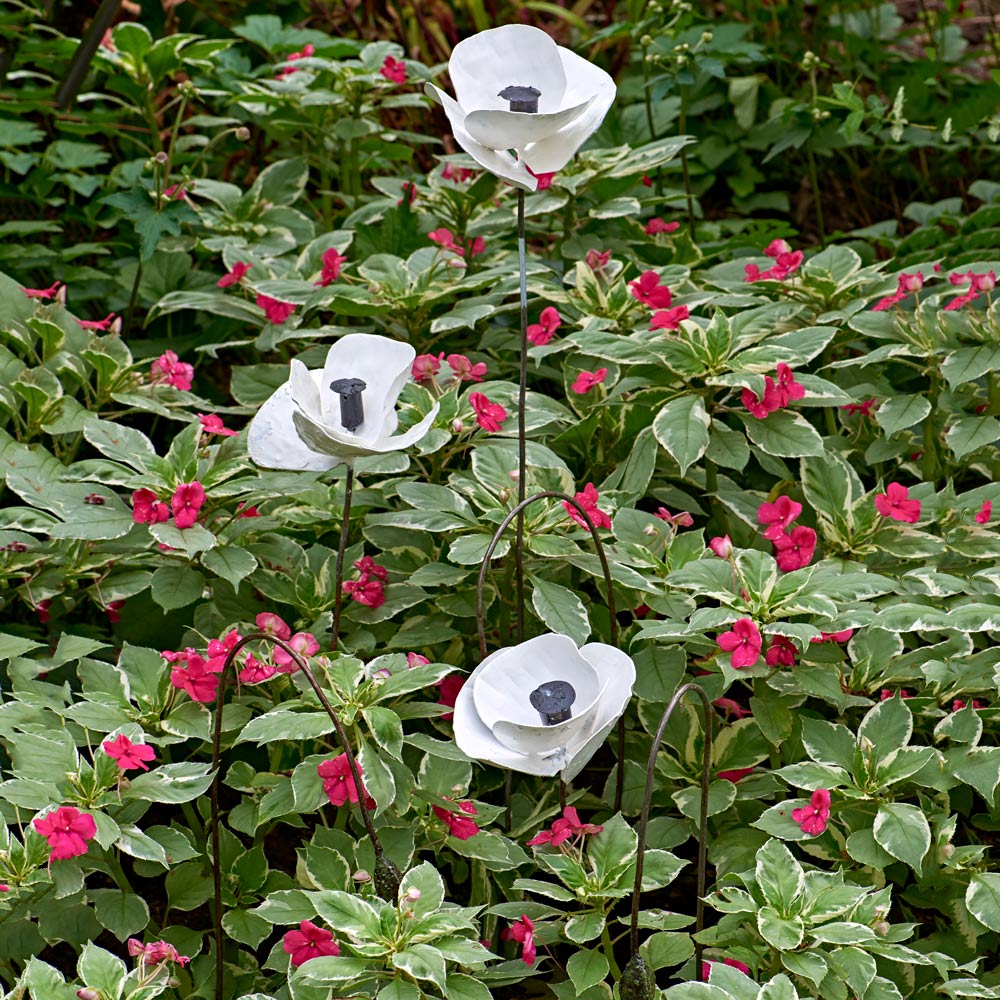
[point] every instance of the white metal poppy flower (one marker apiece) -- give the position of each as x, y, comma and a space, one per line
518, 90
340, 412
514, 710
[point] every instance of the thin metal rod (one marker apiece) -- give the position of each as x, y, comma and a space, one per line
522, 435
80, 62
495, 541
214, 787
341, 549
706, 769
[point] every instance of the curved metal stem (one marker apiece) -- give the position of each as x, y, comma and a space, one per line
518, 512
706, 767
522, 434
341, 549
214, 787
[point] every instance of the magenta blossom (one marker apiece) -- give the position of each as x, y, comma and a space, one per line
568, 826
985, 512
394, 70
722, 546
669, 319
795, 549
128, 755
67, 830
648, 290
813, 817
459, 825
743, 642
781, 652
303, 643
588, 498
168, 369
235, 275
464, 369
309, 941
148, 509
585, 381
187, 500
276, 311
523, 931
778, 516
895, 503
657, 225
489, 416
211, 423
549, 321
762, 407
332, 262
426, 366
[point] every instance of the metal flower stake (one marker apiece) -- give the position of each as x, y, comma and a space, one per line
334, 415
515, 89
637, 982
544, 707
386, 876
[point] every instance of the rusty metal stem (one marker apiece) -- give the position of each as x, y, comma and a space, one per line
84, 53
522, 436
214, 787
341, 549
706, 767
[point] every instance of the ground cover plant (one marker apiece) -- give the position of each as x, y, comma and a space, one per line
255, 673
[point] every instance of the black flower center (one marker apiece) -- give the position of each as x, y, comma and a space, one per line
352, 407
553, 701
521, 98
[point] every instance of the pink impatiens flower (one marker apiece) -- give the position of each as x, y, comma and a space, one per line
896, 503
198, 677
425, 367
67, 830
459, 825
234, 276
464, 369
669, 319
682, 519
307, 51
733, 963
275, 310
43, 293
332, 261
597, 260
445, 239
566, 827
985, 512
743, 641
778, 516
523, 931
309, 941
588, 499
458, 174
154, 953
658, 225
722, 546
128, 755
864, 408
370, 593
168, 369
544, 180
303, 643
187, 500
786, 389
394, 70
103, 325
448, 688
549, 321
148, 509
761, 408
338, 782
813, 817
834, 636
648, 290
794, 550
781, 652
585, 381
489, 416
211, 423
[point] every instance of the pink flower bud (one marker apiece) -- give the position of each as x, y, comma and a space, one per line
88, 994
457, 426
721, 546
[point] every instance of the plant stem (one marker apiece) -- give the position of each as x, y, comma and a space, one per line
341, 548
522, 446
609, 952
817, 201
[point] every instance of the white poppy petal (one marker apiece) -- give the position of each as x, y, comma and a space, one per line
274, 443
617, 670
586, 82
475, 740
305, 390
516, 129
498, 162
383, 365
407, 438
511, 55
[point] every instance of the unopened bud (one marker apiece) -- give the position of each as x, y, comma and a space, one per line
457, 426
161, 157
706, 37
88, 994
361, 876
881, 912
881, 927
646, 41
243, 133
649, 531
413, 894
503, 495
515, 474
947, 850
866, 744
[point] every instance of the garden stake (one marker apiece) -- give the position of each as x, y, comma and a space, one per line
387, 876
522, 445
341, 549
637, 979
517, 512
80, 62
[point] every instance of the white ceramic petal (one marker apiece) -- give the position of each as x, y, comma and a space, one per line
586, 82
305, 390
383, 364
503, 689
407, 438
516, 129
511, 55
497, 162
617, 671
329, 440
274, 443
